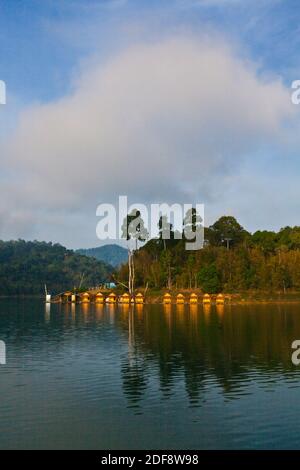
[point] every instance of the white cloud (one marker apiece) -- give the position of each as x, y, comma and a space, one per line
158, 122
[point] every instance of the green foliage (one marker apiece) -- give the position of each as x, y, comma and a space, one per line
227, 230
26, 266
265, 240
209, 279
264, 261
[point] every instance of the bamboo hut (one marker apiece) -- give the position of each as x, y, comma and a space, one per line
180, 299
193, 299
125, 299
111, 299
67, 296
167, 299
139, 298
220, 300
206, 299
99, 299
85, 298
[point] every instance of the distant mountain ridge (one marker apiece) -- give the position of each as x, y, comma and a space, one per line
113, 254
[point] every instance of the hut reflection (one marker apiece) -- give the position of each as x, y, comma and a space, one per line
111, 311
47, 312
194, 315
180, 308
85, 307
207, 313
73, 312
139, 309
220, 310
167, 309
99, 308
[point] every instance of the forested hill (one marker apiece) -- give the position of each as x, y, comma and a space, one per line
113, 254
26, 266
233, 260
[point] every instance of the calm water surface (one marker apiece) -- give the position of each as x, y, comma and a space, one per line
149, 378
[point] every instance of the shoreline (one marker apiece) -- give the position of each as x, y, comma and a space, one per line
156, 298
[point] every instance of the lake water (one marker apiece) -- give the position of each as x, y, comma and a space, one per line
112, 377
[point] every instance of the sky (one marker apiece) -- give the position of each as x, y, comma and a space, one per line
177, 101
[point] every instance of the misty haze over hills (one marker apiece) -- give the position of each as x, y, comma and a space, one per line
114, 255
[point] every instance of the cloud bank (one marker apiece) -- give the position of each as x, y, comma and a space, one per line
166, 121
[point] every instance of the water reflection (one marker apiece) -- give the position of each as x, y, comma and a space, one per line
47, 312
98, 368
200, 345
132, 366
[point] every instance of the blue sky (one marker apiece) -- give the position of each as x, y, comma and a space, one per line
48, 47
53, 35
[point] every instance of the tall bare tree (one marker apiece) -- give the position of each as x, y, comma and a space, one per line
133, 230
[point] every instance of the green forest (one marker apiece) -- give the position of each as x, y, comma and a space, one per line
25, 267
232, 260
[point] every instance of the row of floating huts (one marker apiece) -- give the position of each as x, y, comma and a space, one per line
112, 298
193, 299
98, 298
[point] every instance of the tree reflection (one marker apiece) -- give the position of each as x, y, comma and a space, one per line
132, 368
197, 348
